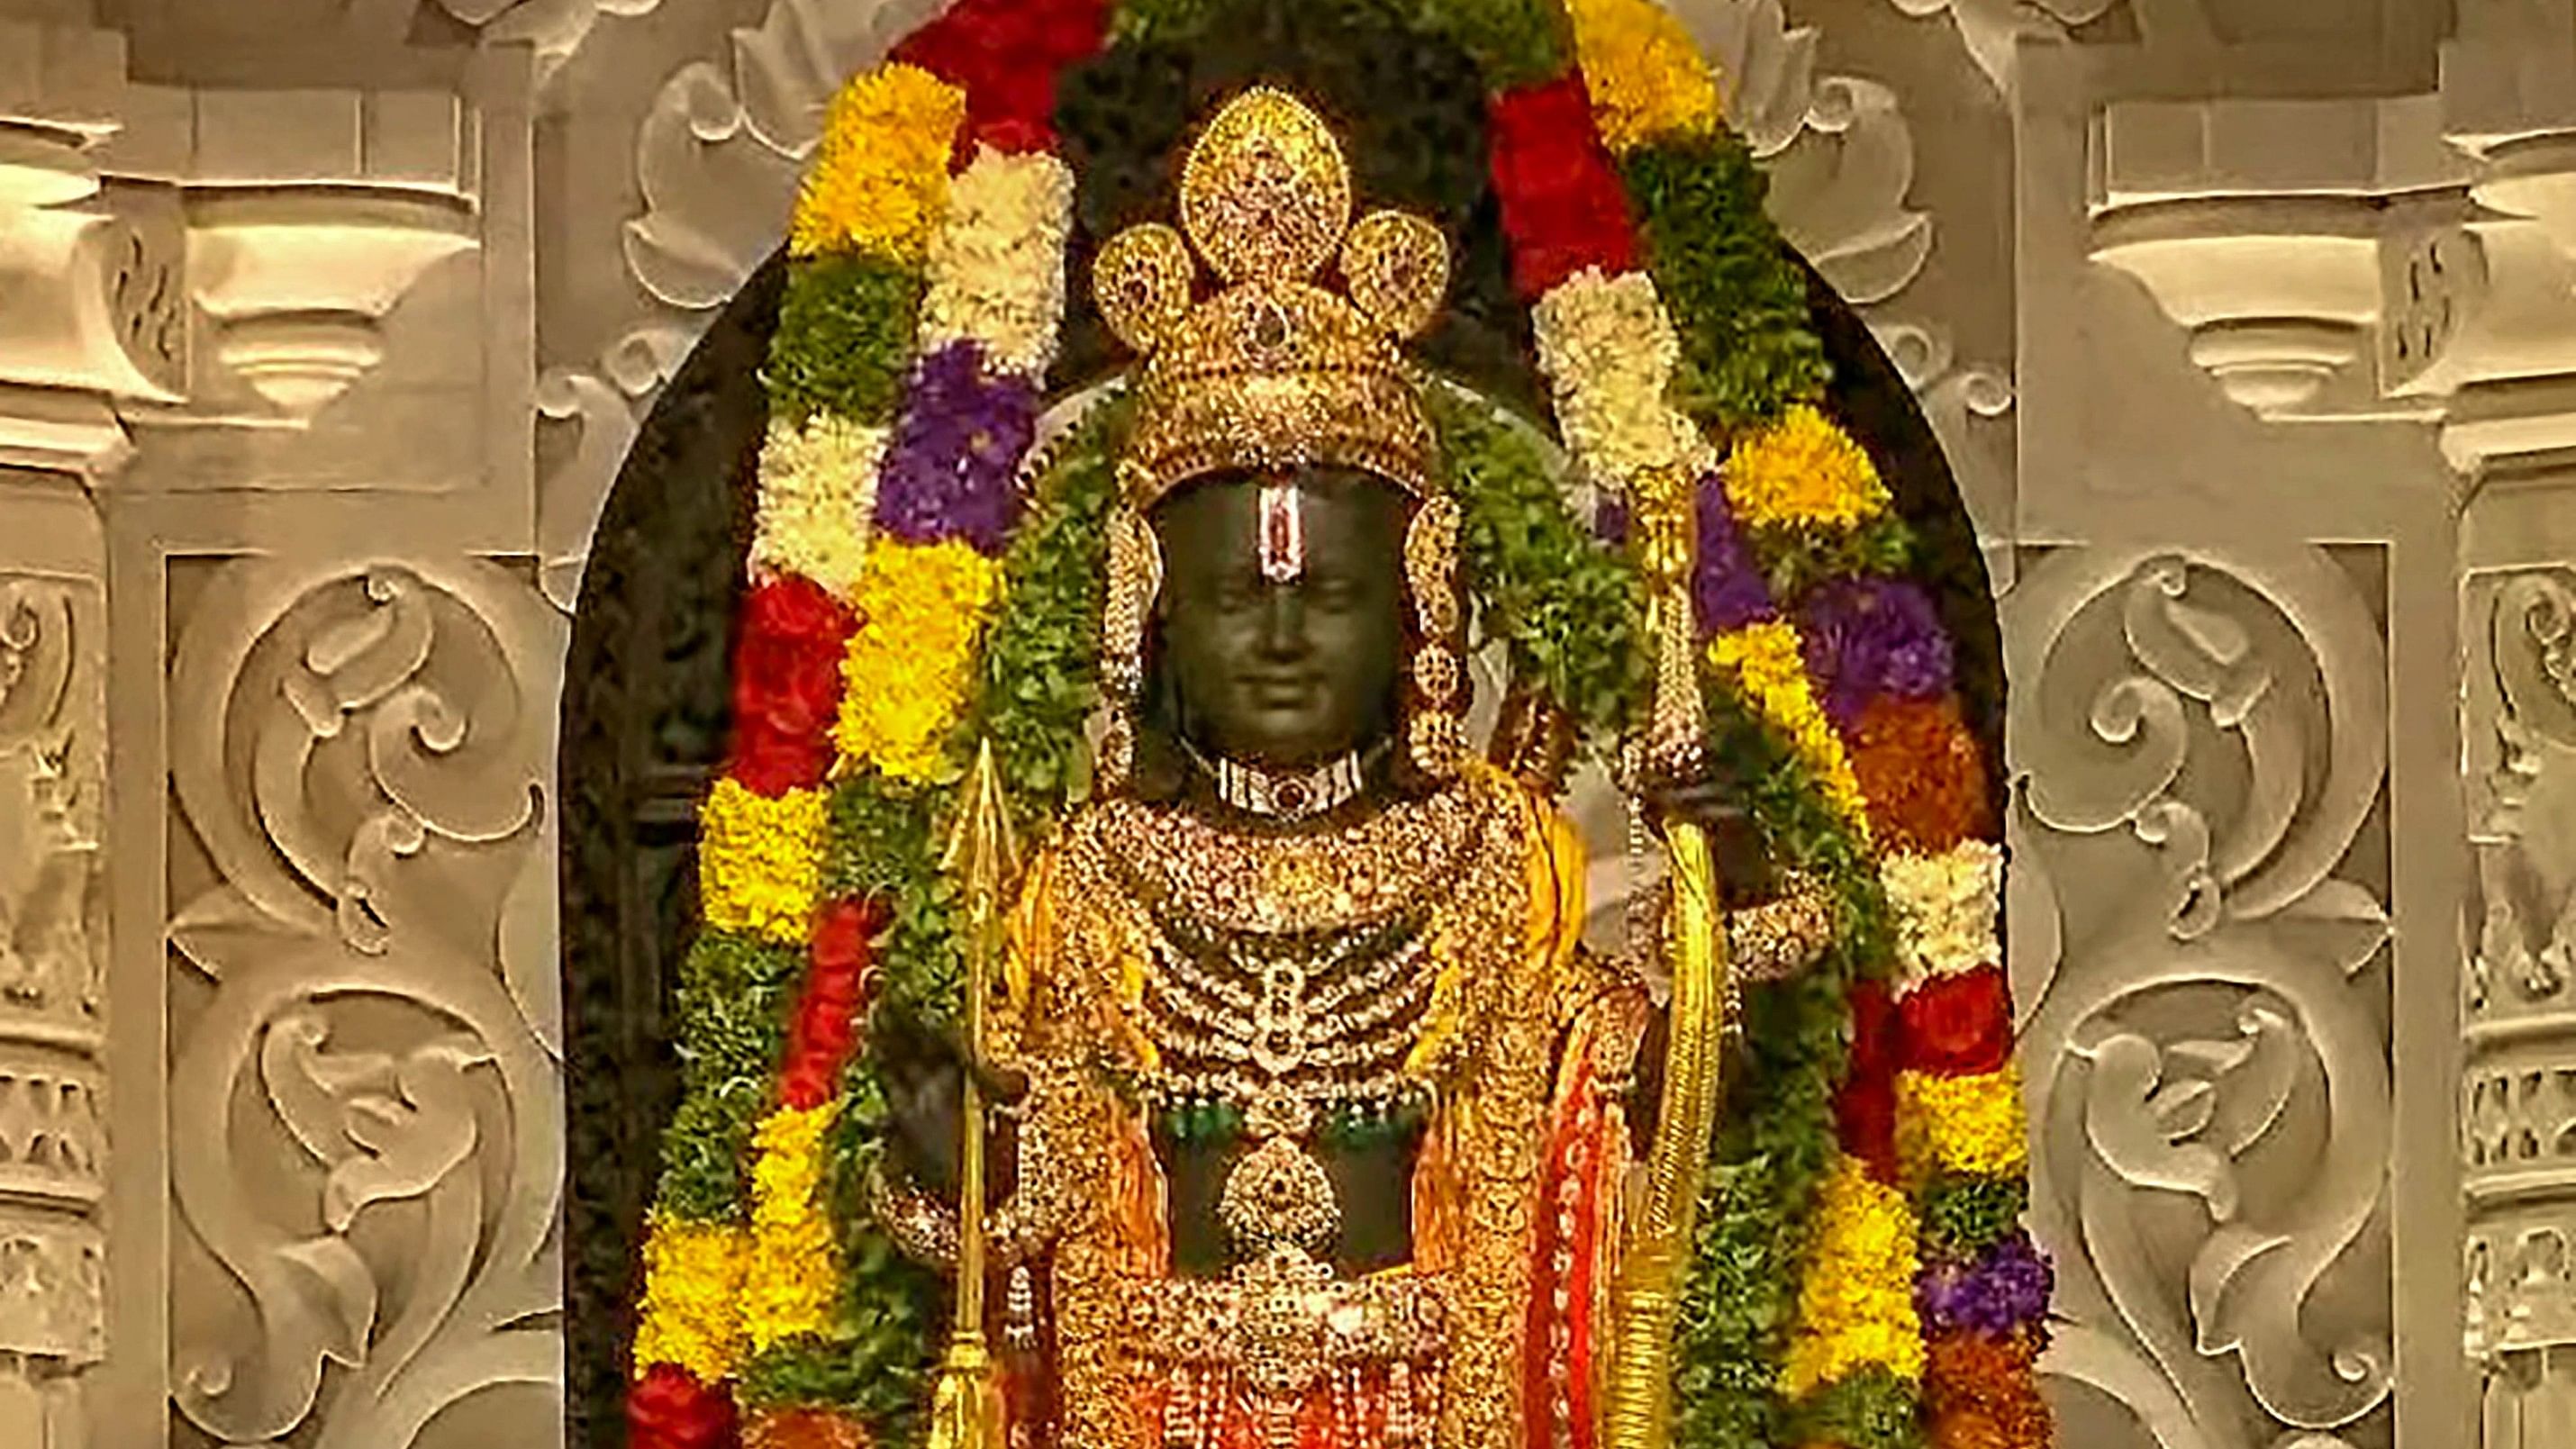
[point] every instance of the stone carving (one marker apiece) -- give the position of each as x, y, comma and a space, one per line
364, 758
1993, 29
2518, 1005
554, 29
49, 818
52, 1282
2203, 740
53, 1148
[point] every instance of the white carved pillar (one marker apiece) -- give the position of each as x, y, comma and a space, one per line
2236, 845
85, 320
2491, 330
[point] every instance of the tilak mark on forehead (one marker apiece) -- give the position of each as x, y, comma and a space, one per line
1283, 531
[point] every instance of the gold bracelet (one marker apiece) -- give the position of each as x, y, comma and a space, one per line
1784, 935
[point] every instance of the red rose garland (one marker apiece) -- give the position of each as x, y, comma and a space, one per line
1564, 208
669, 1409
1959, 1026
787, 684
1865, 1104
825, 1028
1005, 55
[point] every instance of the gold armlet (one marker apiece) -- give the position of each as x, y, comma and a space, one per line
923, 1225
1782, 936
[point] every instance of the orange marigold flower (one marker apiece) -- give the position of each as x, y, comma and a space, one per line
1922, 774
1980, 1392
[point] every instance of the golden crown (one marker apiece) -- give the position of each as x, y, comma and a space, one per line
1275, 371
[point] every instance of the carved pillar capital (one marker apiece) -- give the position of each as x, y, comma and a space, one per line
310, 214
90, 315
2258, 226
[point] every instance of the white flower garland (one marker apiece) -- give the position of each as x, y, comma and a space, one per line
1609, 351
818, 488
1945, 908
996, 264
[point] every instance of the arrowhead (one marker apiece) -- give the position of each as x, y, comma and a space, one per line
981, 853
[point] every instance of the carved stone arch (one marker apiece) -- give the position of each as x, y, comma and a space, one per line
645, 718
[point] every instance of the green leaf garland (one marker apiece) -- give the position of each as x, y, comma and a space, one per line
1041, 663
844, 339
734, 997
1565, 605
1736, 297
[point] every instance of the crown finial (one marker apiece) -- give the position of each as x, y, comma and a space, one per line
1277, 370
1266, 194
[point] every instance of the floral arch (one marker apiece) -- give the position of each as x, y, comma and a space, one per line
867, 425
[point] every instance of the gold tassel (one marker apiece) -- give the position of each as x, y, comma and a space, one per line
966, 1408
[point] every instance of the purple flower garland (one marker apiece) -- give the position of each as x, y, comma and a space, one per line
1727, 591
2001, 1291
951, 467
1871, 637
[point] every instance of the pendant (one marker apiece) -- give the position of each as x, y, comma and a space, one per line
1279, 1196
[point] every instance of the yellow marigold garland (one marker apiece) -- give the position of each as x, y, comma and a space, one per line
691, 1313
997, 260
921, 607
792, 1276
881, 168
1803, 469
760, 860
1856, 1299
817, 492
1961, 1124
1770, 673
1646, 75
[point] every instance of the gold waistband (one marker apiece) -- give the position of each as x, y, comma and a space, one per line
1283, 1322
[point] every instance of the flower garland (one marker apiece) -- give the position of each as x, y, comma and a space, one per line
1859, 1278
1856, 1306
790, 1280
879, 173
1945, 909
1853, 685
817, 490
1764, 663
757, 859
1648, 79
1802, 471
921, 314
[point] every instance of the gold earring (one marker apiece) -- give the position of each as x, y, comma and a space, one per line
1434, 735
1135, 578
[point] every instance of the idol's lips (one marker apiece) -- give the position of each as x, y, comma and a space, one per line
1279, 691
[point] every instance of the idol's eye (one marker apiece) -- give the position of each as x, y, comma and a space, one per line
1237, 591
1328, 591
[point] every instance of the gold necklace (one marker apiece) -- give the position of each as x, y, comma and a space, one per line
1222, 875
1287, 795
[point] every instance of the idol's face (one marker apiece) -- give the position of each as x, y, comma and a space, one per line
1281, 613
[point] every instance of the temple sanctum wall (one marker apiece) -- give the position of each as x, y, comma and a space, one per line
2248, 326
